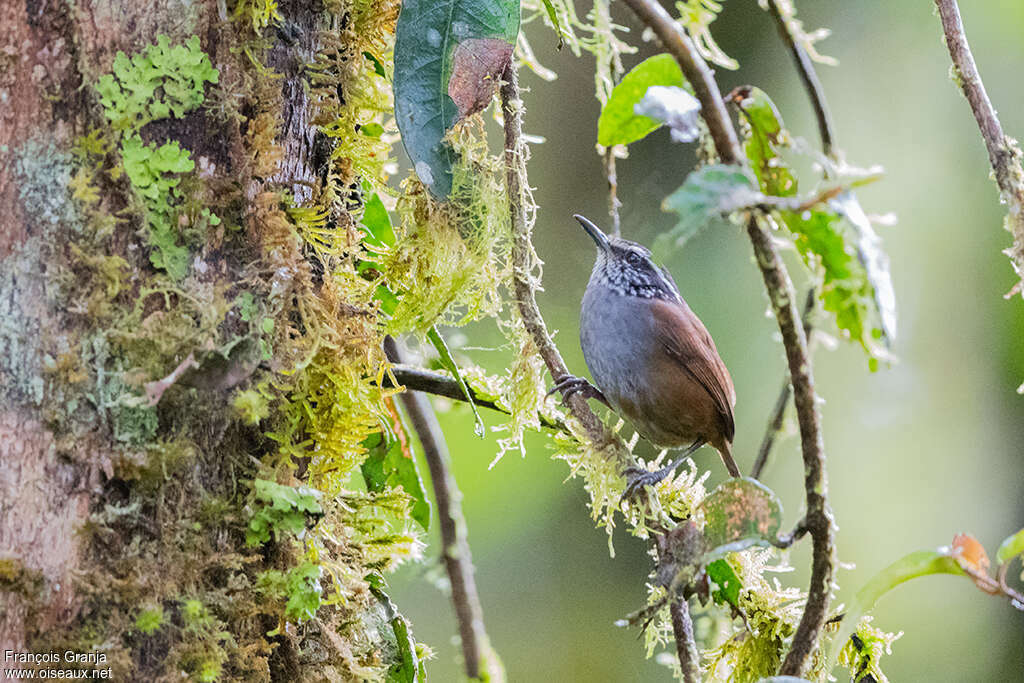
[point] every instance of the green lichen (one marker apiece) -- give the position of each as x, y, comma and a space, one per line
161, 81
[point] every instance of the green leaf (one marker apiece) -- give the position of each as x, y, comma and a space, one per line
449, 363
722, 573
389, 464
707, 193
873, 259
846, 291
1010, 548
740, 513
410, 666
764, 135
377, 222
449, 56
920, 563
619, 124
553, 17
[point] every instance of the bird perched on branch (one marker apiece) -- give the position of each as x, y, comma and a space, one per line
651, 357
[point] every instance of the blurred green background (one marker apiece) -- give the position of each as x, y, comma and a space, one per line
917, 452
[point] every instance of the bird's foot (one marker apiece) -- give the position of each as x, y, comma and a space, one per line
637, 478
571, 384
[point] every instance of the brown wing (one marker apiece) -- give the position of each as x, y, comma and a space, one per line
687, 342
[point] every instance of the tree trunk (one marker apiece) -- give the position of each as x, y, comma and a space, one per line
181, 320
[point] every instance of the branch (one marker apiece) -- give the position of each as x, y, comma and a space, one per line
686, 645
781, 294
438, 384
779, 411
808, 75
1003, 153
458, 562
523, 264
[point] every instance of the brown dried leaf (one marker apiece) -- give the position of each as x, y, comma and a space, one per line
476, 67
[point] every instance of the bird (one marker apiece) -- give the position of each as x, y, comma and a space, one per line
651, 358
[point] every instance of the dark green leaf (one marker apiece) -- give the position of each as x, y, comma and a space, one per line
764, 135
390, 463
920, 563
740, 513
1011, 547
722, 573
449, 56
707, 193
619, 124
449, 363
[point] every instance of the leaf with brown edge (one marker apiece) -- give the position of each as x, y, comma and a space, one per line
476, 67
449, 55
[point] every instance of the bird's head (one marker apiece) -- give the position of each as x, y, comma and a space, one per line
627, 267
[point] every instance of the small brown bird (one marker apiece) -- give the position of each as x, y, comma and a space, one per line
651, 357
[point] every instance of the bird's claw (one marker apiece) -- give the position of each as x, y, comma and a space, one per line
637, 478
571, 384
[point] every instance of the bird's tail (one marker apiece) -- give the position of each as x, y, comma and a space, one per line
725, 449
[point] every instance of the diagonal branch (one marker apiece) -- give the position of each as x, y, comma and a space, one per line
804, 64
523, 264
782, 296
783, 15
1003, 153
438, 384
458, 562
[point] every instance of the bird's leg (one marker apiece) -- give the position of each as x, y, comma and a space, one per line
637, 478
571, 384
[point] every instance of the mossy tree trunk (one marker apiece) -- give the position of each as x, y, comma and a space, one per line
181, 319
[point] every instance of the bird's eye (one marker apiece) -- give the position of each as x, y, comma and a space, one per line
635, 259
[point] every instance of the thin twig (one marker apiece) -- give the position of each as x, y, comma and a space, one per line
458, 562
686, 645
438, 384
782, 296
808, 75
523, 264
613, 191
779, 410
1003, 153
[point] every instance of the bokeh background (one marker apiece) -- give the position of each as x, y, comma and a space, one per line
917, 452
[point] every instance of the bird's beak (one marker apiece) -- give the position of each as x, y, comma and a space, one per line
595, 233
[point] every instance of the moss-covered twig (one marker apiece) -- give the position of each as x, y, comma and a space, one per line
524, 286
782, 296
1003, 153
439, 384
458, 562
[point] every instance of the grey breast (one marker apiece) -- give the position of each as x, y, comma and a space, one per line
616, 337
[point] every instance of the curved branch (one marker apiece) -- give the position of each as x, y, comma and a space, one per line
782, 296
458, 562
1003, 153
